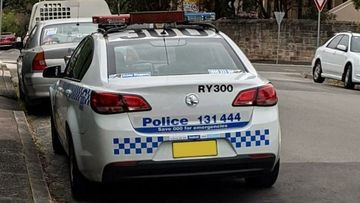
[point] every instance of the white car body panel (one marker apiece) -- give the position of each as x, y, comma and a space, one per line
103, 139
333, 61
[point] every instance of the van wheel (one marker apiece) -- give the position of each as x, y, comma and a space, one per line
56, 144
80, 186
317, 73
348, 84
266, 180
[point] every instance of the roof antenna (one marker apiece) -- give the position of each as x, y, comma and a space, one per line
78, 13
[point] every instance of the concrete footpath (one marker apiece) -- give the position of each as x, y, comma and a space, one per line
21, 175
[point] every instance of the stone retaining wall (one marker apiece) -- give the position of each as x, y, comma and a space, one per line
258, 38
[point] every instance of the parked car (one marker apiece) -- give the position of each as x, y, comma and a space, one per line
49, 42
7, 40
64, 9
339, 59
135, 103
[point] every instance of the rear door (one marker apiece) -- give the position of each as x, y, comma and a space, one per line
70, 91
329, 63
27, 54
340, 57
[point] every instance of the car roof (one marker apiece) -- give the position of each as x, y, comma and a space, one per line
348, 33
123, 35
63, 21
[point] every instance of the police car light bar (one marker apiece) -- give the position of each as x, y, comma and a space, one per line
142, 18
157, 17
201, 16
119, 19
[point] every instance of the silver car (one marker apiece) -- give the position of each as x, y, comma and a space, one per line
48, 43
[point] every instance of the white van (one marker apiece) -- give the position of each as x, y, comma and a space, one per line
51, 10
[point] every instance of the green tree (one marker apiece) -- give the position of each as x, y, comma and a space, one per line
126, 6
11, 23
20, 6
356, 4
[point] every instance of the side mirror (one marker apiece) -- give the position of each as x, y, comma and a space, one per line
19, 45
67, 59
341, 47
52, 72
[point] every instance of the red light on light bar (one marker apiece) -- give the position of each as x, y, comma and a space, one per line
123, 18
157, 17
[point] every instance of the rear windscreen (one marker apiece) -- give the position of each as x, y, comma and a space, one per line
66, 33
162, 57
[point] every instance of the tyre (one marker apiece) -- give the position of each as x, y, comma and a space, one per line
21, 93
56, 144
80, 186
28, 103
348, 84
266, 180
317, 73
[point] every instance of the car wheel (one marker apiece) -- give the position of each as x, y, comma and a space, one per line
56, 144
348, 84
79, 184
21, 93
27, 102
266, 180
317, 73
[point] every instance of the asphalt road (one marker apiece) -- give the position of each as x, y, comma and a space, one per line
320, 152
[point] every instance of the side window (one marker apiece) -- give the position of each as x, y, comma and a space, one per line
30, 42
335, 42
69, 71
84, 59
345, 41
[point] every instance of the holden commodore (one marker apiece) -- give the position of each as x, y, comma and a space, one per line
146, 102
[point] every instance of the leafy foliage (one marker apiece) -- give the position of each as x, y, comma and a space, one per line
125, 6
9, 22
356, 4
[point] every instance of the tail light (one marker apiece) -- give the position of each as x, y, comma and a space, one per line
261, 96
39, 63
111, 103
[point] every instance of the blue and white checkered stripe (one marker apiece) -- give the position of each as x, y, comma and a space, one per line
79, 94
148, 145
249, 139
136, 145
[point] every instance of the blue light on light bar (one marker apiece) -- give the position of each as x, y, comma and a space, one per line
201, 16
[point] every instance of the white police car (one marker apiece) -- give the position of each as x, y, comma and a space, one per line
182, 100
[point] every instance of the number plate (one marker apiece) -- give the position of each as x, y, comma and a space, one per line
194, 149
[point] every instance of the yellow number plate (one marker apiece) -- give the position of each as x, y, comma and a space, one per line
194, 149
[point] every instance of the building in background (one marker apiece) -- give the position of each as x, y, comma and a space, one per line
346, 12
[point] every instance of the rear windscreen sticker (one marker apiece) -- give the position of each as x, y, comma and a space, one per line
223, 71
50, 31
134, 75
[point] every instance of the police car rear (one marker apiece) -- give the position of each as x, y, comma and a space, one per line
181, 100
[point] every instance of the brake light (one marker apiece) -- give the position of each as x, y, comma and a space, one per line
111, 103
261, 96
39, 63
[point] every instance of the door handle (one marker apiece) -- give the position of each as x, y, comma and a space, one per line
68, 92
60, 89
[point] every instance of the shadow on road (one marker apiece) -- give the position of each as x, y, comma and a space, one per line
42, 109
176, 190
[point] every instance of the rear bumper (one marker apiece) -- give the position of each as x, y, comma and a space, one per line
241, 165
36, 86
